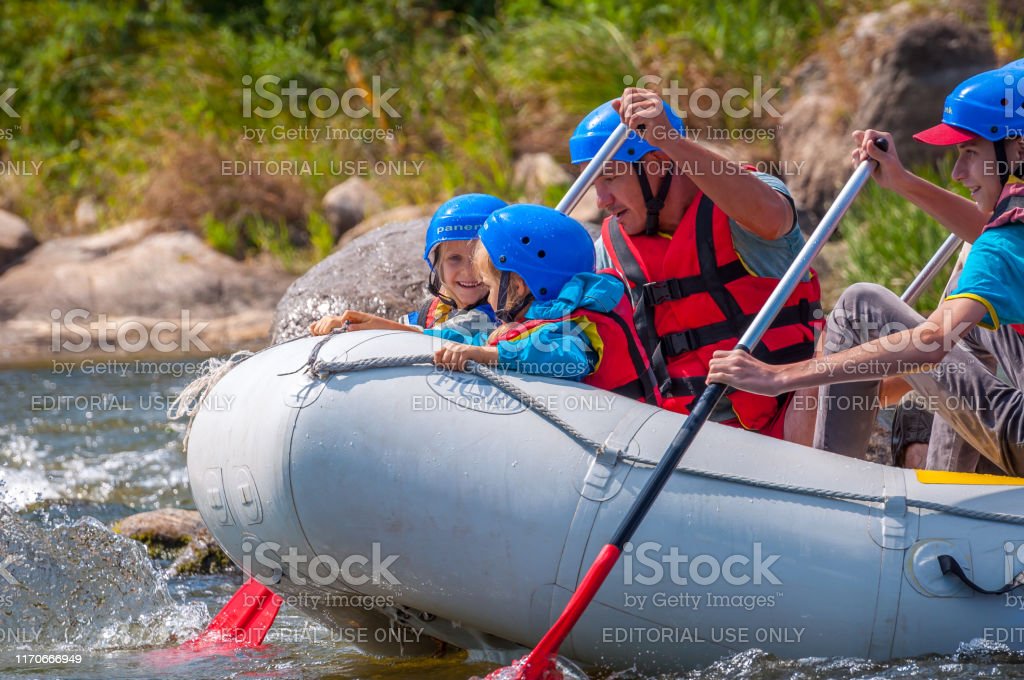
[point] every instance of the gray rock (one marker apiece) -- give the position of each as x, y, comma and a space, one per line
889, 70
401, 214
381, 272
139, 268
86, 214
349, 203
16, 239
178, 535
535, 172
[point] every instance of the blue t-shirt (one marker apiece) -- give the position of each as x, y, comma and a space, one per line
994, 275
763, 257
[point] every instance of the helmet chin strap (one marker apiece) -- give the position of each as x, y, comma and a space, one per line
434, 286
653, 203
509, 315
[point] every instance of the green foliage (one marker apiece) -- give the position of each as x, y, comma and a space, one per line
321, 238
890, 240
221, 236
1007, 34
110, 92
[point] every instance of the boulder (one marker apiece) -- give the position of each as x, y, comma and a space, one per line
86, 214
16, 239
177, 535
401, 214
348, 204
140, 268
888, 70
535, 172
145, 288
381, 272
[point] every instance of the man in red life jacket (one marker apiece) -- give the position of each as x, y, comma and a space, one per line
702, 242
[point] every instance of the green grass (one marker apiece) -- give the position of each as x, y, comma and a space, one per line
128, 103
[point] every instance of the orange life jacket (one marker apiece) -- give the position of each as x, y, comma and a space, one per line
624, 367
693, 295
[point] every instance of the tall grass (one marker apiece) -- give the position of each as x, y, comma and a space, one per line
889, 240
111, 92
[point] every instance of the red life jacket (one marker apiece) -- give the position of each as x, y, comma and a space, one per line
427, 314
624, 367
693, 295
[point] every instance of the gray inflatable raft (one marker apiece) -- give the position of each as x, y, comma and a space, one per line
406, 506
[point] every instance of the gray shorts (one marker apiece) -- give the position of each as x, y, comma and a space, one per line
981, 416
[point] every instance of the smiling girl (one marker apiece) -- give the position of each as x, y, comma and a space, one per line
458, 297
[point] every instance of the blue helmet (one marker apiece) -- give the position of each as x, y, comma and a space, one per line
459, 219
989, 105
599, 124
541, 245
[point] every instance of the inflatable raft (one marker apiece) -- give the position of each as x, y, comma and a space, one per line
406, 506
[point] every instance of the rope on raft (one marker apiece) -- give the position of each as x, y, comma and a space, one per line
194, 395
325, 369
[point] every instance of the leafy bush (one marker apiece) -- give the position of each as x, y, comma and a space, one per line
132, 103
889, 240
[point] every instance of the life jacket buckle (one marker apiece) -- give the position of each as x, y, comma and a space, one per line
682, 341
660, 292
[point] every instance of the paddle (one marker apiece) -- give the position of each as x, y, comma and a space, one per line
579, 187
539, 664
931, 270
243, 621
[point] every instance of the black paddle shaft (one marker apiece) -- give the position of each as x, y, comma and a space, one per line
680, 443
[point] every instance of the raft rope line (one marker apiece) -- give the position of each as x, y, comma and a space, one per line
187, 403
324, 369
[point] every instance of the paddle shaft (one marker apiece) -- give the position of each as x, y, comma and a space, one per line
542, 654
931, 270
579, 187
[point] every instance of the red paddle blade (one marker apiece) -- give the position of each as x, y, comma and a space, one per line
244, 620
540, 663
528, 668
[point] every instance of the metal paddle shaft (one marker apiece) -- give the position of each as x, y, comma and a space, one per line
539, 662
586, 178
931, 270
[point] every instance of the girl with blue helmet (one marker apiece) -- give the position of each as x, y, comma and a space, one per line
458, 297
947, 358
560, 318
454, 285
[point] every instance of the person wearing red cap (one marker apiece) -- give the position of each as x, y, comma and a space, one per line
947, 357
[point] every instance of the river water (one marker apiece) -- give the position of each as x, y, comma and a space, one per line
82, 447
